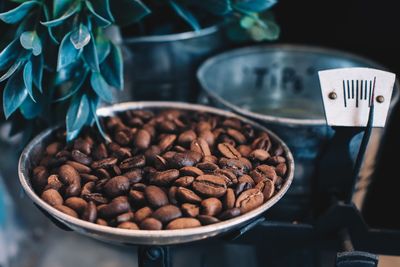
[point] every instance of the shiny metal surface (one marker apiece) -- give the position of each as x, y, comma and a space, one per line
278, 86
31, 153
164, 67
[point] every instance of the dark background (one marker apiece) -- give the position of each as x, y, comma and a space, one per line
367, 28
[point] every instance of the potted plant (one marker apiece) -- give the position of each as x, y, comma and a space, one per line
59, 64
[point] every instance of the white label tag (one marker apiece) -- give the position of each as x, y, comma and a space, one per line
348, 94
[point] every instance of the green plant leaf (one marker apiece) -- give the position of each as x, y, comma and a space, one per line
128, 11
103, 47
80, 36
60, 6
31, 41
112, 68
72, 10
9, 53
254, 5
102, 7
77, 113
93, 109
17, 14
10, 71
102, 22
100, 86
27, 74
37, 71
76, 84
90, 55
49, 29
14, 94
30, 109
67, 52
267, 30
186, 15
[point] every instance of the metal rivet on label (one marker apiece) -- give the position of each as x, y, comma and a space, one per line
380, 99
332, 95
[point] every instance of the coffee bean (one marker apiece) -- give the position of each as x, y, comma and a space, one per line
53, 182
122, 153
102, 222
142, 139
164, 178
90, 212
242, 186
236, 166
116, 186
167, 142
183, 223
200, 146
172, 195
229, 214
100, 152
184, 159
229, 177
88, 178
134, 162
190, 171
155, 196
203, 126
211, 206
160, 163
238, 136
68, 174
102, 173
123, 137
142, 214
125, 217
151, 153
137, 198
97, 198
167, 213
190, 210
244, 150
210, 185
52, 197
262, 142
206, 219
128, 225
246, 179
249, 200
187, 195
79, 167
232, 123
277, 150
263, 172
104, 163
275, 160
184, 181
134, 175
39, 177
66, 210
139, 187
150, 224
83, 145
80, 157
208, 136
259, 154
229, 199
76, 203
53, 148
186, 137
117, 206
211, 158
207, 167
281, 169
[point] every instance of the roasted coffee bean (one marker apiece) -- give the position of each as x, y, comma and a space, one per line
244, 150
150, 224
80, 157
123, 137
246, 179
190, 171
142, 139
134, 162
236, 166
88, 178
210, 185
211, 158
102, 222
128, 225
259, 154
155, 196
166, 142
184, 159
83, 145
151, 153
268, 189
242, 186
167, 213
185, 138
102, 173
211, 206
262, 142
79, 167
172, 195
100, 185
238, 136
139, 187
160, 163
90, 212
125, 217
190, 210
100, 152
208, 136
229, 214
142, 214
137, 198
281, 169
206, 219
52, 197
164, 178
230, 177
277, 150
275, 160
96, 198
263, 172
179, 148
116, 170
229, 199
39, 177
232, 123
183, 223
53, 182
53, 148
87, 188
68, 175
134, 175
200, 146
123, 153
203, 126
207, 167
104, 163
66, 210
76, 203
116, 186
187, 195
117, 206
249, 200
184, 181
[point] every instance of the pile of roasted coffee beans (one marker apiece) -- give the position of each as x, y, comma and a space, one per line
163, 169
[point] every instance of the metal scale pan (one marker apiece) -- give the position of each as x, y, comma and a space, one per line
31, 153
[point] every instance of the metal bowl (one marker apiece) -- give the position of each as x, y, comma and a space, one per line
34, 149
